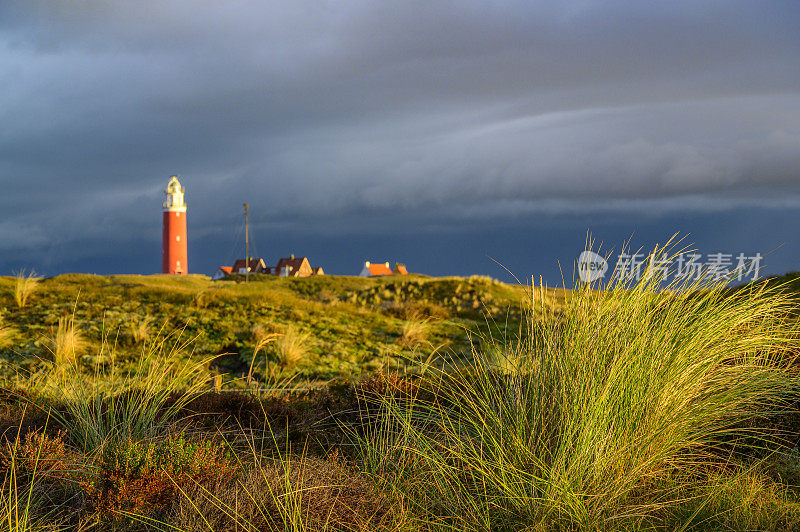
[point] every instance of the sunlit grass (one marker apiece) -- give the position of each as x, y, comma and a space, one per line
112, 406
262, 338
592, 408
8, 334
735, 497
140, 328
24, 287
66, 342
292, 347
415, 331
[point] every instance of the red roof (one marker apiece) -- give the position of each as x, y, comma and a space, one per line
379, 269
400, 269
226, 269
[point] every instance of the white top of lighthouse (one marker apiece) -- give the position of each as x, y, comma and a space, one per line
174, 196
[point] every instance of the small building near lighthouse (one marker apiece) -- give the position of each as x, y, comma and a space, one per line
174, 258
372, 269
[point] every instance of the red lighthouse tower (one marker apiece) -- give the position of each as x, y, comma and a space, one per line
173, 254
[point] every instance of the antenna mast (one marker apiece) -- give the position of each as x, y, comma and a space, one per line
246, 241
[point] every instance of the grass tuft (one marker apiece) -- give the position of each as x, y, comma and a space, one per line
8, 334
24, 287
140, 328
110, 408
602, 402
66, 343
416, 331
262, 338
292, 347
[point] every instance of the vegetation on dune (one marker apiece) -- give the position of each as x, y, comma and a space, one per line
8, 334
416, 331
66, 342
637, 406
24, 287
346, 325
262, 338
614, 412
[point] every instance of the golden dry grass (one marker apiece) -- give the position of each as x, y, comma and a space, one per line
8, 334
139, 328
262, 337
24, 287
416, 331
66, 342
292, 347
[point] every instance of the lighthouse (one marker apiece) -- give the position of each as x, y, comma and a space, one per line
173, 254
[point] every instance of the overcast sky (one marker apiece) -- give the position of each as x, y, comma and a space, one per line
434, 133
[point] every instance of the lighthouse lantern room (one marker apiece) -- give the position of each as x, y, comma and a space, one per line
173, 254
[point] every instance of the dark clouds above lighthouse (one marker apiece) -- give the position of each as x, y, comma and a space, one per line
427, 132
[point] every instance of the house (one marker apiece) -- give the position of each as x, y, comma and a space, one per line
221, 273
400, 269
294, 267
374, 270
256, 266
290, 266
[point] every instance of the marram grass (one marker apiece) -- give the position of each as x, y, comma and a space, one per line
66, 342
112, 407
24, 287
601, 404
629, 406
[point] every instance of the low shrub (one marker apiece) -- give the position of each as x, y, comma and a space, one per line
287, 493
144, 477
46, 455
39, 476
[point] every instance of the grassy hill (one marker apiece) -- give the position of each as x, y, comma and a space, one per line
318, 327
125, 405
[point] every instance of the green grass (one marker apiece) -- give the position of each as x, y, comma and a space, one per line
353, 325
607, 414
481, 406
109, 408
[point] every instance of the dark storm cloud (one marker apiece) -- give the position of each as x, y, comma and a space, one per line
343, 113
